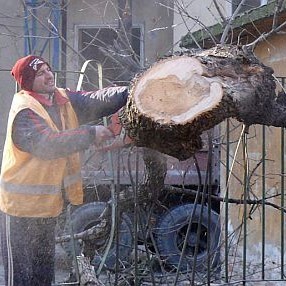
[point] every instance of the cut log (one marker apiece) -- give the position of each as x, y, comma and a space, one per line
172, 103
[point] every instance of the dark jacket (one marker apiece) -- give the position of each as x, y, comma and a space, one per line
32, 134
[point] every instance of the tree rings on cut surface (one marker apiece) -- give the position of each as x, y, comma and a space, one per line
178, 98
170, 105
175, 92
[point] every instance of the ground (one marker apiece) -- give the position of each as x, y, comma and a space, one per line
61, 269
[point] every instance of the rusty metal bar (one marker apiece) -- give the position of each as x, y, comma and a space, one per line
282, 200
263, 202
245, 194
226, 200
282, 193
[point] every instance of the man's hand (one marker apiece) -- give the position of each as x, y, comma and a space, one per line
102, 134
119, 136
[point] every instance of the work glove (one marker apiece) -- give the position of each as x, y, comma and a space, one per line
119, 140
118, 131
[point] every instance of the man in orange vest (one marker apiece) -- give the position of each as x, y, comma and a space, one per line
47, 128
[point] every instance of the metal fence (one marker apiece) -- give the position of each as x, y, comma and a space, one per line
229, 233
224, 228
253, 212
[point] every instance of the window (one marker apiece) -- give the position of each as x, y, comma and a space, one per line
248, 4
106, 46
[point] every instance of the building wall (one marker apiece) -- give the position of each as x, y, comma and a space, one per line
195, 15
156, 22
273, 53
264, 232
11, 48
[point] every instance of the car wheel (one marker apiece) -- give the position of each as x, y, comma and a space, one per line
87, 216
171, 232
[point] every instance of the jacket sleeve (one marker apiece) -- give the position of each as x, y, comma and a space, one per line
92, 106
30, 133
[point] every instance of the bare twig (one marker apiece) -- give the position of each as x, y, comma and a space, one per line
228, 25
264, 36
219, 11
276, 10
183, 12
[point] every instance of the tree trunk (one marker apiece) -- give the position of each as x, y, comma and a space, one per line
172, 103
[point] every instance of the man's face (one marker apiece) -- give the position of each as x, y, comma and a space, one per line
44, 82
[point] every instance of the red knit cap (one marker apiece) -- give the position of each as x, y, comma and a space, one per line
25, 69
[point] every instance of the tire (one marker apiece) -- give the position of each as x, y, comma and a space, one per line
84, 218
170, 234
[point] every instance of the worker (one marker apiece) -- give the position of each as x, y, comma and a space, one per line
47, 128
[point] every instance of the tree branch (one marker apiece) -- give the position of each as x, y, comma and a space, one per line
228, 25
173, 189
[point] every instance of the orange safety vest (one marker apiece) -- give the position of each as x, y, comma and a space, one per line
30, 186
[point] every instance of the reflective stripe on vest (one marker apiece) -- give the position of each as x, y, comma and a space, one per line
30, 189
39, 189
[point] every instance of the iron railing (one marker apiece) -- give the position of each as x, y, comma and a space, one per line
232, 237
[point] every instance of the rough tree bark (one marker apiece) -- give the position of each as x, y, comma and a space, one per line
178, 98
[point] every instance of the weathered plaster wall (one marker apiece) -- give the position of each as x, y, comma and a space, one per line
11, 48
196, 15
272, 53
